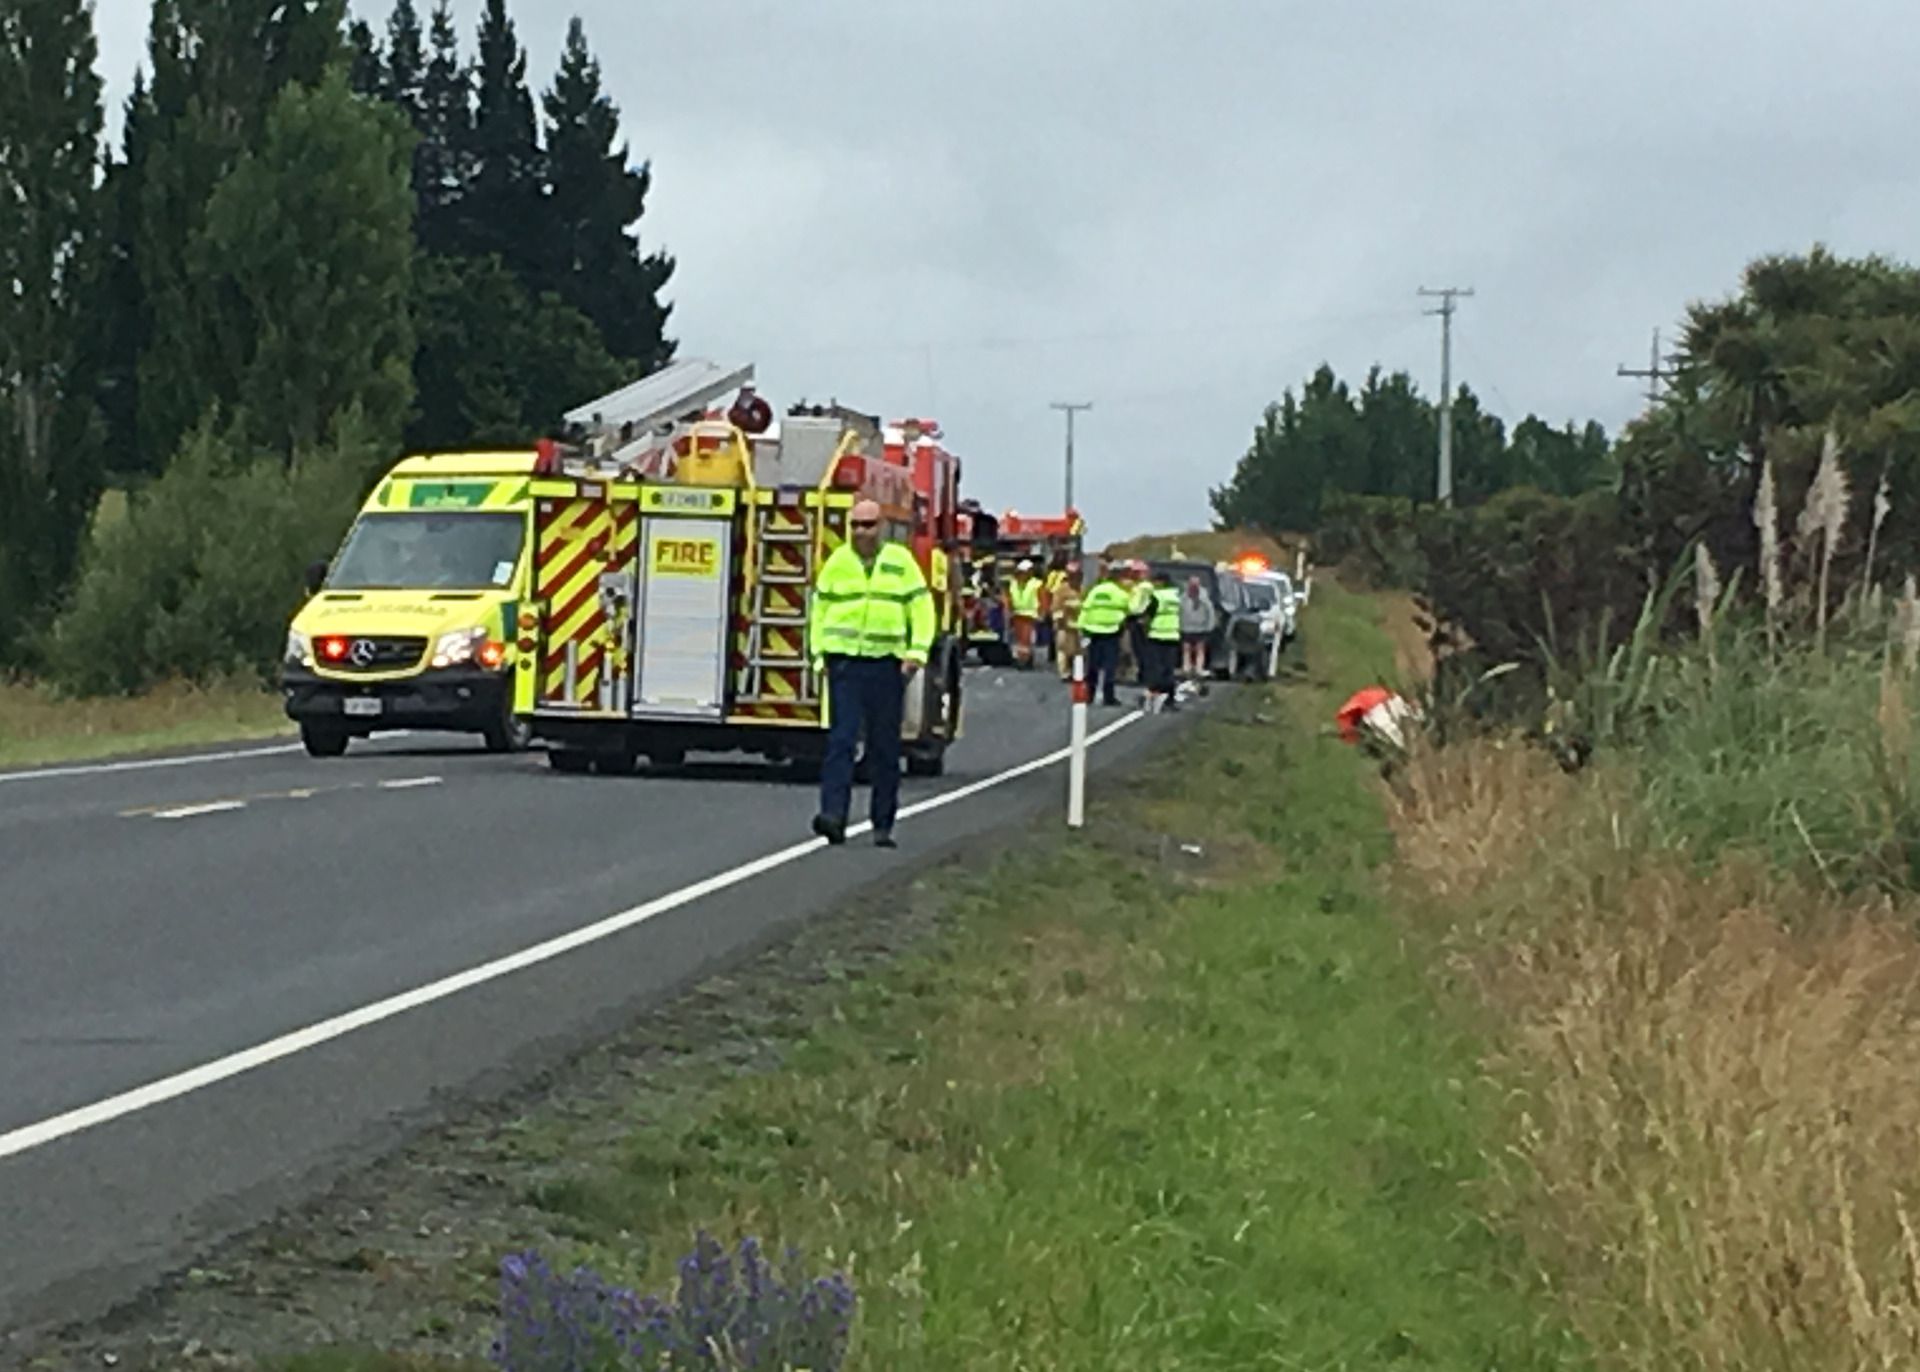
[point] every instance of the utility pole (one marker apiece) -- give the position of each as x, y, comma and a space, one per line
1447, 295
1070, 407
1654, 373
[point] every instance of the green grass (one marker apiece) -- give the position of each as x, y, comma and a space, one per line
1142, 1109
1790, 753
36, 727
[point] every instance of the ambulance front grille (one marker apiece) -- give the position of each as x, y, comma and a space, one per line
381, 655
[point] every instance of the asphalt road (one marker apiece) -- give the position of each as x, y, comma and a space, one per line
223, 982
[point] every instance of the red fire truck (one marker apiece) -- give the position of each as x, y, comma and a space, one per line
676, 546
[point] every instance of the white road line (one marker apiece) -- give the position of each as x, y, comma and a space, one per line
217, 807
90, 769
39, 1135
410, 783
145, 764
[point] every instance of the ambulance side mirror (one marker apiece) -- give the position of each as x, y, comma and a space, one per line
316, 576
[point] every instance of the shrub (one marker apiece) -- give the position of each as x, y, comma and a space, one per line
730, 1311
201, 577
1375, 539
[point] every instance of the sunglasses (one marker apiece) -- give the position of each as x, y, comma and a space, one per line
866, 523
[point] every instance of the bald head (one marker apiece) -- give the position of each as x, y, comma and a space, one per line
865, 523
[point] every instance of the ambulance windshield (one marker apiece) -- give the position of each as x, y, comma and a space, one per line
433, 552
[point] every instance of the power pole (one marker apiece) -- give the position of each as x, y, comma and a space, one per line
1654, 373
1447, 295
1070, 407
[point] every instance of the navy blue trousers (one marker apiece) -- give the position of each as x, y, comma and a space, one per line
1103, 665
866, 694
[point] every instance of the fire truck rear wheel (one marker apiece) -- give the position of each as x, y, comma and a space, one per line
933, 764
616, 764
667, 757
569, 761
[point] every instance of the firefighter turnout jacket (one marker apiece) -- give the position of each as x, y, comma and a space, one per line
885, 611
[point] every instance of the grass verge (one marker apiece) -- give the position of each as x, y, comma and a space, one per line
37, 727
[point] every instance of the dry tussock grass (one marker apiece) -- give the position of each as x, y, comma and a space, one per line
1716, 1131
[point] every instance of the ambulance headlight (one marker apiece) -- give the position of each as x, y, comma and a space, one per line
457, 649
299, 650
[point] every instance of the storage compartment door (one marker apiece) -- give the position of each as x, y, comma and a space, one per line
680, 664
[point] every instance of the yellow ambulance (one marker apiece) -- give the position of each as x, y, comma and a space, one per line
412, 624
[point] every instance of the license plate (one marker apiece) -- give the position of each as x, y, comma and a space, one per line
363, 707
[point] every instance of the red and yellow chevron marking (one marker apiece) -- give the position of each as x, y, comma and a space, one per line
783, 641
786, 559
769, 711
577, 542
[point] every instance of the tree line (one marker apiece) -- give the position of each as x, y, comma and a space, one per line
315, 243
1810, 365
1333, 441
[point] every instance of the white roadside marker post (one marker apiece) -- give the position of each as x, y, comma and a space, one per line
1077, 756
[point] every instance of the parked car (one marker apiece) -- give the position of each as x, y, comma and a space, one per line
1268, 613
1287, 601
1237, 646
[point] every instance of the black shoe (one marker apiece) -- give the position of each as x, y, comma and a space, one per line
883, 838
1112, 704
832, 830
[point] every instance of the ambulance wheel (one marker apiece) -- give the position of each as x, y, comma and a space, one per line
508, 734
324, 740
570, 762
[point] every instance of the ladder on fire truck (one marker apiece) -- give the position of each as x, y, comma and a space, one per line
787, 537
627, 427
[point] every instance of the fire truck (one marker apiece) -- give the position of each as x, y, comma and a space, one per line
1043, 538
996, 546
677, 538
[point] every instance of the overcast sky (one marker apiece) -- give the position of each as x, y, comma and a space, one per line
1176, 210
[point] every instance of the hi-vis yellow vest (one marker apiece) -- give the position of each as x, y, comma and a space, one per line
1024, 599
1165, 627
886, 612
1104, 611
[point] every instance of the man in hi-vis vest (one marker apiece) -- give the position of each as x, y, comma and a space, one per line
871, 627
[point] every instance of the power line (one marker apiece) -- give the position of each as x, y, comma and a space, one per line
1070, 408
1447, 295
